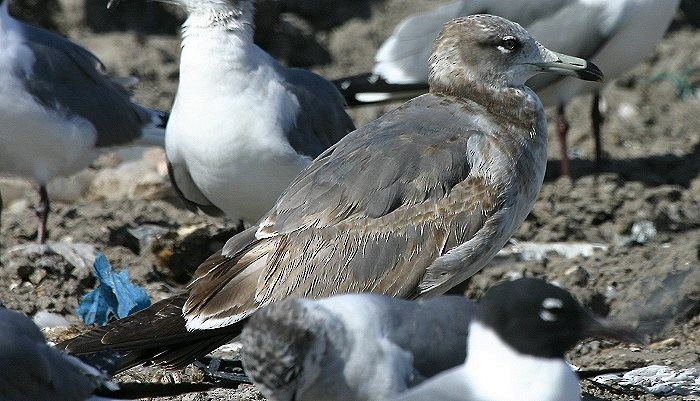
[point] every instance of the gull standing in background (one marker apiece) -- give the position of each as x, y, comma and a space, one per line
58, 109
242, 125
516, 345
407, 206
352, 346
615, 34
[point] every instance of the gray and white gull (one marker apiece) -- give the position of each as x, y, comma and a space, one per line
352, 346
242, 125
614, 34
373, 347
516, 345
58, 109
407, 206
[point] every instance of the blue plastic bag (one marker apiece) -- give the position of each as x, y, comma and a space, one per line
114, 295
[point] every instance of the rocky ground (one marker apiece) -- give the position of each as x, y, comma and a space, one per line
642, 211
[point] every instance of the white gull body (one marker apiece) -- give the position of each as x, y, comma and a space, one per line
242, 125
494, 371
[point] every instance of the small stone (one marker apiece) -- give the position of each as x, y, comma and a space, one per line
37, 276
667, 343
579, 275
45, 319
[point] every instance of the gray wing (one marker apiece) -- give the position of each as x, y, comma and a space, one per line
422, 158
447, 386
359, 219
189, 192
68, 76
403, 57
435, 332
31, 370
322, 120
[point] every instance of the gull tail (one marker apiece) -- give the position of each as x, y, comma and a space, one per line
369, 88
153, 132
155, 335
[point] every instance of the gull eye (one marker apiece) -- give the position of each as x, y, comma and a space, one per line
509, 43
551, 307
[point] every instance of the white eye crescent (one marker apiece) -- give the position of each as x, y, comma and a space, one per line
552, 303
549, 308
508, 44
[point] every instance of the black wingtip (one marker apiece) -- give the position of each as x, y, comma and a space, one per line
368, 88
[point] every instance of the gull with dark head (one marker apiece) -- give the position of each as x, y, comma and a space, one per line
516, 345
373, 347
352, 346
407, 206
58, 109
242, 125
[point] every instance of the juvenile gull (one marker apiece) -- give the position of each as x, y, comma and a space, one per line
407, 206
352, 346
58, 109
516, 345
614, 34
242, 125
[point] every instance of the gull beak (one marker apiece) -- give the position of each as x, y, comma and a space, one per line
599, 327
573, 66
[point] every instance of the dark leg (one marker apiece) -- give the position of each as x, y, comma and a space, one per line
562, 129
42, 212
596, 122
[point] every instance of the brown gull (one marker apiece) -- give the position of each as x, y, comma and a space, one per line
407, 206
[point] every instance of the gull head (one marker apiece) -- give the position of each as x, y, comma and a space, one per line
542, 320
498, 53
282, 348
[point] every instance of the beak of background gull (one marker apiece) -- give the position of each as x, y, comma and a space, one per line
598, 327
574, 66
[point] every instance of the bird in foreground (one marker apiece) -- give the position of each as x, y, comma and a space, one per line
406, 206
31, 370
242, 125
352, 346
58, 109
516, 345
614, 34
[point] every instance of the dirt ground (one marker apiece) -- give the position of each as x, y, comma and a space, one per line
643, 208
